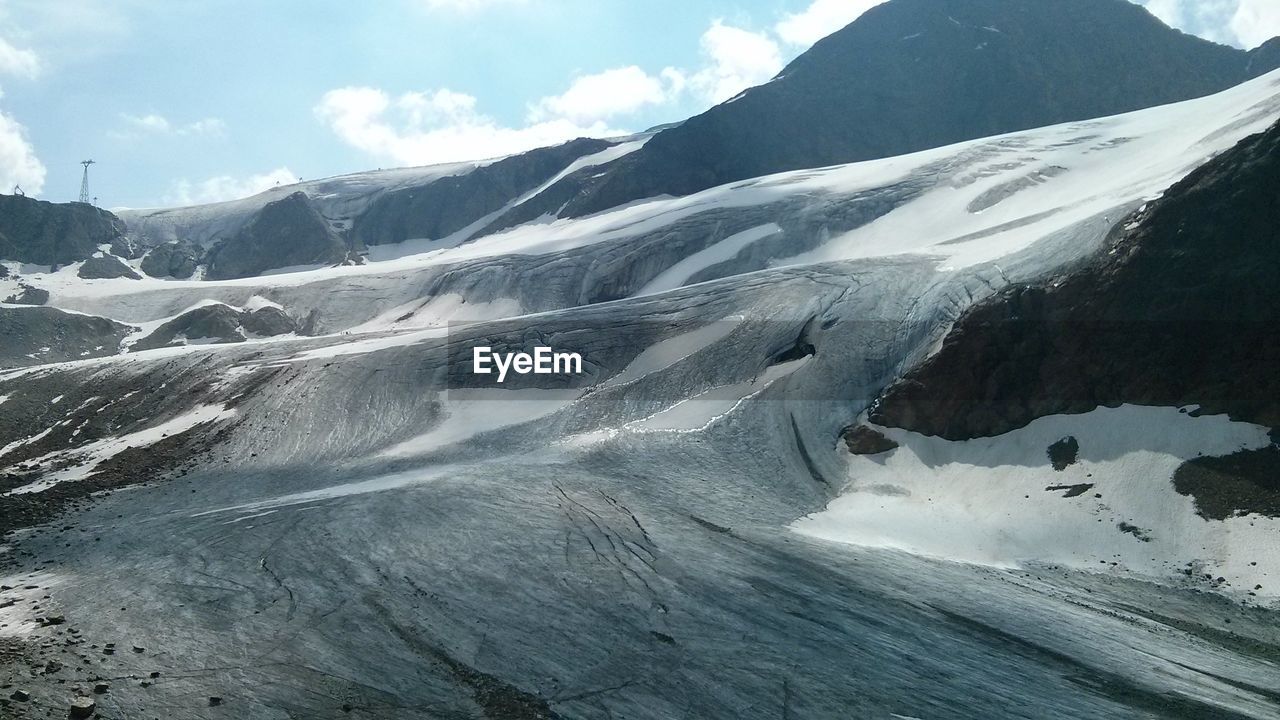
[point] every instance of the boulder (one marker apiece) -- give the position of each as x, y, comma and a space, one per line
268, 322
176, 259
82, 707
1064, 453
863, 440
106, 267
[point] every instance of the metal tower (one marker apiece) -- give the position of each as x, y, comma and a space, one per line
84, 183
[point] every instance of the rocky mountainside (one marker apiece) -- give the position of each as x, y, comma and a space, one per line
285, 232
908, 75
1180, 308
41, 335
450, 204
337, 220
44, 233
915, 74
1265, 57
292, 495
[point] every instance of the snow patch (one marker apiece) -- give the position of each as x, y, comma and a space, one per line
468, 413
679, 274
664, 354
998, 501
87, 458
440, 311
704, 410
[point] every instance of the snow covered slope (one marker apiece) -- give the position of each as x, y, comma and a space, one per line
352, 520
1115, 509
964, 205
339, 199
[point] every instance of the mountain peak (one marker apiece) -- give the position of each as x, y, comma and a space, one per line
915, 74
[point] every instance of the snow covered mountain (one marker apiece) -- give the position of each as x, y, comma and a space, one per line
910, 75
917, 74
866, 440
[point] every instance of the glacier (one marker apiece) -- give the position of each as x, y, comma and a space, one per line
345, 520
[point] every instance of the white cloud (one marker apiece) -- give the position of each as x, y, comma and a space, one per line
1169, 11
211, 127
738, 59
18, 162
18, 62
610, 93
1209, 19
154, 124
1256, 21
226, 187
466, 5
435, 127
821, 19
419, 128
148, 123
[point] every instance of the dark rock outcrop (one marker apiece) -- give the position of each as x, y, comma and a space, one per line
217, 324
45, 233
286, 232
863, 440
1064, 453
28, 295
1246, 482
38, 335
268, 322
450, 204
106, 267
1071, 491
1182, 307
1264, 58
915, 74
172, 259
82, 707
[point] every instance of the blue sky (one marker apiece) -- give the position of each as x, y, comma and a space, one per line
185, 101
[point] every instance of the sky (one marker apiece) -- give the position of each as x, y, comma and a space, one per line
191, 101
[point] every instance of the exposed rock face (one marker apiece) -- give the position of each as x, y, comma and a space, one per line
915, 74
44, 233
29, 295
284, 233
172, 259
106, 267
1264, 58
450, 204
268, 322
218, 324
1182, 308
82, 707
862, 440
37, 335
1246, 482
1064, 453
